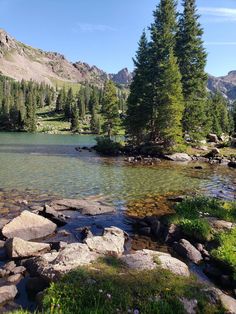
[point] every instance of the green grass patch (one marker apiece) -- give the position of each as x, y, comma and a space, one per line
198, 207
108, 287
191, 213
199, 229
226, 251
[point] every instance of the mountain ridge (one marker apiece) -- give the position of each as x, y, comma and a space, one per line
20, 61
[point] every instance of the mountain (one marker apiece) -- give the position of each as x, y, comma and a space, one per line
225, 84
21, 61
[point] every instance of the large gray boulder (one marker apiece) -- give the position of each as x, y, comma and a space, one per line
28, 226
187, 250
84, 206
7, 293
181, 157
51, 266
147, 260
18, 248
112, 242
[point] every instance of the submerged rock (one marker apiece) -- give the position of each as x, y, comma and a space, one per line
147, 259
85, 207
28, 226
18, 248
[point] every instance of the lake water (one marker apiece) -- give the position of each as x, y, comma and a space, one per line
50, 164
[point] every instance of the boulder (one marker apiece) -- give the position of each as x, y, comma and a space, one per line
7, 293
112, 242
85, 207
18, 248
15, 279
220, 225
187, 250
51, 267
216, 295
147, 259
28, 226
213, 138
182, 157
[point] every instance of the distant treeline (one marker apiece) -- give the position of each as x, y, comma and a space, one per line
19, 102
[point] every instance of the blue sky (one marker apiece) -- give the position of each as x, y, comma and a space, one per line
105, 32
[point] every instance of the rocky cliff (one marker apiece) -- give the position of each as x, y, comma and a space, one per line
20, 61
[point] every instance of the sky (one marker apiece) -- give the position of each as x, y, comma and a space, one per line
105, 32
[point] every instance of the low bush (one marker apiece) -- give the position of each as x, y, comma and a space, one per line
107, 146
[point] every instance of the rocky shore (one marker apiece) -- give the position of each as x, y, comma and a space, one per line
28, 252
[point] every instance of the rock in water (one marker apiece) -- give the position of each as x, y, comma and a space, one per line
187, 250
18, 248
147, 259
86, 207
28, 226
179, 157
7, 293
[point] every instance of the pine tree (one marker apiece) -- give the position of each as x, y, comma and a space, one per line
171, 106
110, 108
192, 61
74, 119
166, 94
69, 103
139, 111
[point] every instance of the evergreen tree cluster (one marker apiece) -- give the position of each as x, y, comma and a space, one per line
168, 95
19, 101
94, 104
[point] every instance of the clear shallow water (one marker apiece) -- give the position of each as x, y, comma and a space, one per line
50, 164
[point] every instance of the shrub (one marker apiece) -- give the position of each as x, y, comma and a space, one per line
107, 147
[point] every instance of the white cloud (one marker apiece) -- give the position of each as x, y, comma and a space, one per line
86, 27
220, 43
219, 14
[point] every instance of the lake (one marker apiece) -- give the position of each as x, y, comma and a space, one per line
50, 164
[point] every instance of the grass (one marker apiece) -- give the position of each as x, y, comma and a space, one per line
51, 121
199, 229
198, 207
67, 85
108, 287
191, 213
226, 251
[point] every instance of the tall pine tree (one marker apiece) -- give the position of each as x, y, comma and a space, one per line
192, 61
139, 109
166, 92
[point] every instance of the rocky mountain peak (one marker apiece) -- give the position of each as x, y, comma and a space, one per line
122, 77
